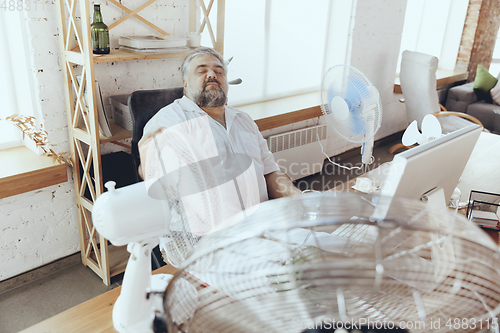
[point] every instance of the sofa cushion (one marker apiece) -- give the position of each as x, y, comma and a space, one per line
495, 93
484, 80
459, 97
452, 123
485, 113
483, 83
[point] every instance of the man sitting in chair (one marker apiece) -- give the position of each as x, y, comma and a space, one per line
246, 171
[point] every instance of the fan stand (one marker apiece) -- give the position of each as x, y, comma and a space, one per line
134, 310
435, 197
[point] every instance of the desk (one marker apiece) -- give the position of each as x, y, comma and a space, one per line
93, 315
23, 171
482, 172
284, 111
443, 77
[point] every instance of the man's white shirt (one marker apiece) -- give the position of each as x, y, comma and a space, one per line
241, 154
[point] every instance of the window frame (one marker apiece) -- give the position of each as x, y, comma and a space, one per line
428, 18
495, 60
17, 61
329, 54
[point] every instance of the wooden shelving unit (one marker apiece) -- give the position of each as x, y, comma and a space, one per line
77, 58
122, 55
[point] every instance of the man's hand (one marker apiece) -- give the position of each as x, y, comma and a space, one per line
279, 185
142, 146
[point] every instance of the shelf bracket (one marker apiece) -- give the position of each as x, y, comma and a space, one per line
134, 14
218, 38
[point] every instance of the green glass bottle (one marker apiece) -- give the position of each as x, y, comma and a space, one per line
99, 32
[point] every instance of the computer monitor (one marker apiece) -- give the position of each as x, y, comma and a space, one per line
429, 168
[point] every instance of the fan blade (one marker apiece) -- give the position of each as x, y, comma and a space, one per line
411, 135
339, 108
350, 103
431, 127
355, 92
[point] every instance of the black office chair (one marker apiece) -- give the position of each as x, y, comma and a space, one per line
144, 104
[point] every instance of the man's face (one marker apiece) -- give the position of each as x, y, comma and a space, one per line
206, 83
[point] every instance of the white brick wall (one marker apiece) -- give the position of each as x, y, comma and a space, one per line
41, 226
36, 228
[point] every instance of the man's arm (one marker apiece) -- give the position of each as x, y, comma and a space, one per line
143, 146
279, 185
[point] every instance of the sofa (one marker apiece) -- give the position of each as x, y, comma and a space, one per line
465, 99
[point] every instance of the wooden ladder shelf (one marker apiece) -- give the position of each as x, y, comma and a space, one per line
74, 20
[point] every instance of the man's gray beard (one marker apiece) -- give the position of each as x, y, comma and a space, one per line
208, 98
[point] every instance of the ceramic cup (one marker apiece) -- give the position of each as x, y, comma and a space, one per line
193, 39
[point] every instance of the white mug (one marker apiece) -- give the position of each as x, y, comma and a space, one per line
194, 39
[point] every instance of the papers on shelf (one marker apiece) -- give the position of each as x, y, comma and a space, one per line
152, 42
104, 127
156, 51
101, 112
485, 219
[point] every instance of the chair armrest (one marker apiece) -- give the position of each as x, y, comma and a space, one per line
458, 114
460, 97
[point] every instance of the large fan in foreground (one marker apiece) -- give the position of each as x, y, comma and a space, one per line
302, 261
352, 106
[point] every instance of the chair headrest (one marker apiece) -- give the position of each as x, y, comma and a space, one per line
144, 104
421, 58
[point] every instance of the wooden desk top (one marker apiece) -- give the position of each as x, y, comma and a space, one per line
482, 171
93, 315
443, 77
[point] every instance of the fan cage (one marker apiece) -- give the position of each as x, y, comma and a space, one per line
419, 267
365, 116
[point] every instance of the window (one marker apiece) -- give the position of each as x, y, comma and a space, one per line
282, 48
495, 61
16, 81
434, 27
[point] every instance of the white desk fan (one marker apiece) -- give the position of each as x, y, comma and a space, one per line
284, 269
137, 215
352, 107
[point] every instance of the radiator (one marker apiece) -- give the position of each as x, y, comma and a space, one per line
298, 153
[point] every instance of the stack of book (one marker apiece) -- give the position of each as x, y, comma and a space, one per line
104, 127
488, 220
152, 44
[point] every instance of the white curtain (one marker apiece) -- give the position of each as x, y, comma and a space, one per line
282, 48
435, 28
16, 79
495, 62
